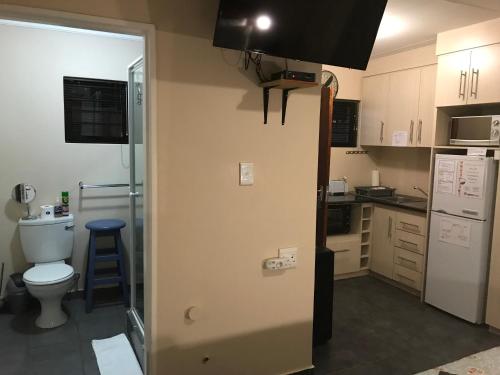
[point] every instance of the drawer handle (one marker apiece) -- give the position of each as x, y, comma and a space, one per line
407, 260
406, 278
411, 227
408, 263
342, 251
408, 245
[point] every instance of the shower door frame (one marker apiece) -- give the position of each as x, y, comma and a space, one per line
135, 325
148, 33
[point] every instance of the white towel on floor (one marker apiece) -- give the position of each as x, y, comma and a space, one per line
115, 356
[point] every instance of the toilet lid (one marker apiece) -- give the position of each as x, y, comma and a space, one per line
48, 274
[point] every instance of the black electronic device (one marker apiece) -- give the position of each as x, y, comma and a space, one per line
294, 76
332, 32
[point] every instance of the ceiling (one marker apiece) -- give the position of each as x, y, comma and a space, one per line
411, 23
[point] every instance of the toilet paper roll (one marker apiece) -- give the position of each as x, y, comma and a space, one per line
47, 211
375, 178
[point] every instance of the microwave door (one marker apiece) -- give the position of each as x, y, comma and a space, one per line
471, 131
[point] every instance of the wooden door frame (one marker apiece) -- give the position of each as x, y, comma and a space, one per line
324, 152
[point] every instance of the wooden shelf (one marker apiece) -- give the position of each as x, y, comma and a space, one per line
341, 238
288, 84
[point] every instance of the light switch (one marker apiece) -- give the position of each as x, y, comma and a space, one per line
246, 174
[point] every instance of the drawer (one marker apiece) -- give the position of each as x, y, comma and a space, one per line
409, 241
408, 277
408, 259
411, 223
347, 256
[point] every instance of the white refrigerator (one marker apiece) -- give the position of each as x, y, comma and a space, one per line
460, 235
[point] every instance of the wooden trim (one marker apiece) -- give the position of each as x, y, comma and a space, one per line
352, 275
396, 284
309, 371
324, 151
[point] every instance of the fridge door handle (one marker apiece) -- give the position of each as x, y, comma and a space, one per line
442, 212
470, 212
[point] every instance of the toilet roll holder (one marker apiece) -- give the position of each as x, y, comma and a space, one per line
25, 194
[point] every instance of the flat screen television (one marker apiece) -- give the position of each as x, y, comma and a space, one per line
332, 32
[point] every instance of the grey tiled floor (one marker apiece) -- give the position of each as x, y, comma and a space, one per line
66, 350
379, 329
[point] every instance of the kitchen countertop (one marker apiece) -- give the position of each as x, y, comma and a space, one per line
352, 198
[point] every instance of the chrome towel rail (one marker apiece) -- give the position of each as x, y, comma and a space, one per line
82, 186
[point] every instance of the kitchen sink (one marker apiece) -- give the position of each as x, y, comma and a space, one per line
404, 199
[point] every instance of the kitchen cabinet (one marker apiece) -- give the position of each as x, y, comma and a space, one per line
382, 260
426, 109
452, 78
398, 245
469, 77
374, 110
485, 75
347, 255
399, 101
402, 105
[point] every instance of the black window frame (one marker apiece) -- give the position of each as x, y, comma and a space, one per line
70, 134
353, 131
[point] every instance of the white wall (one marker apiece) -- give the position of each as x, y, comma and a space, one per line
32, 146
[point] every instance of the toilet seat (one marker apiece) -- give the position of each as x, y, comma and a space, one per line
47, 274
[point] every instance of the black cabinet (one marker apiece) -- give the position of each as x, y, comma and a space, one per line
323, 296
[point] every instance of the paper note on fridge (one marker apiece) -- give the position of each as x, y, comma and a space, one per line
446, 177
454, 231
470, 179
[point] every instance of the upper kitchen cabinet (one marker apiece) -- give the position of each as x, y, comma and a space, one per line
374, 110
404, 107
484, 75
469, 77
452, 79
426, 108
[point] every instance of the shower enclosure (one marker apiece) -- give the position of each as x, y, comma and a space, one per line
135, 318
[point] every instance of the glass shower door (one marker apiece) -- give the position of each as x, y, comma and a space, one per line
135, 326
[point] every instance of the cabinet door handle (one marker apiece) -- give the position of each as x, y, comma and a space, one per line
389, 227
411, 131
381, 131
407, 245
463, 82
420, 131
473, 92
342, 251
406, 278
410, 227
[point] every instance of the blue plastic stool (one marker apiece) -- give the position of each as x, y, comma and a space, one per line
105, 228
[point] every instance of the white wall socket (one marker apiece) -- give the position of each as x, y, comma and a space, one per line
246, 174
287, 258
290, 254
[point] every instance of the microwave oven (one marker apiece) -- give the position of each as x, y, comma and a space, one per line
475, 131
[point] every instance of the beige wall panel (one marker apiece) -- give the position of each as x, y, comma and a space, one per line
403, 168
477, 35
213, 234
404, 60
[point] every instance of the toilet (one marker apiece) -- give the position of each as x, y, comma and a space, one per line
47, 243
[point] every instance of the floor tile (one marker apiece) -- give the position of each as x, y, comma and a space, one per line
380, 329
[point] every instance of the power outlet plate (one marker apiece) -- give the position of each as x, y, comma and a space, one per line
289, 255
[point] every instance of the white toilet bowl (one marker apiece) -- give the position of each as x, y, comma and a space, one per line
49, 282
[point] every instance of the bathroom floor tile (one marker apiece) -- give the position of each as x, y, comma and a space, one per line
65, 350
